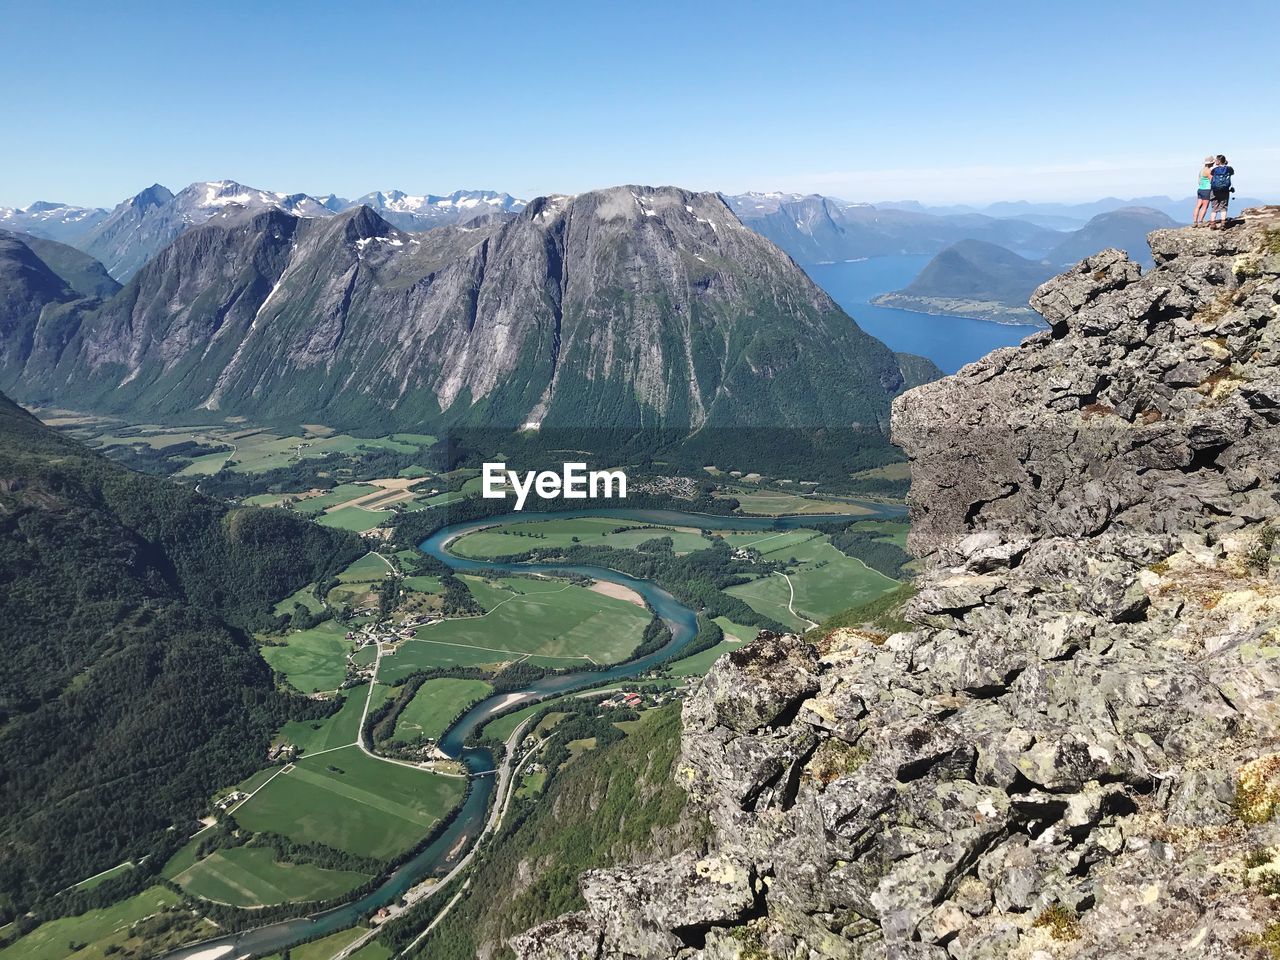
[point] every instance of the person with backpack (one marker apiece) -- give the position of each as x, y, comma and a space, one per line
1203, 193
1220, 192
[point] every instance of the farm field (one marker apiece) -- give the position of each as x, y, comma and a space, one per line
305, 596
259, 450
435, 705
99, 930
251, 876
312, 660
771, 543
314, 506
700, 663
529, 617
373, 950
513, 538
328, 947
426, 656
736, 631
355, 519
826, 582
336, 731
772, 503
369, 568
104, 876
354, 802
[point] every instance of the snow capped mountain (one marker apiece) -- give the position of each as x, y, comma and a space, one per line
52, 221
409, 212
140, 227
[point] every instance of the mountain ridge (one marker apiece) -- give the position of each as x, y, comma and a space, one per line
646, 307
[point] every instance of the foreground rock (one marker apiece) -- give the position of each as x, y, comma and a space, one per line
1075, 753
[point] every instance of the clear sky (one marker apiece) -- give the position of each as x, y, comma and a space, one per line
937, 101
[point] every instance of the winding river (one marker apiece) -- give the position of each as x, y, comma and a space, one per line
440, 856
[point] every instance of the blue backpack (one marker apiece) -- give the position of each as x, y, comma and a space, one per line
1220, 178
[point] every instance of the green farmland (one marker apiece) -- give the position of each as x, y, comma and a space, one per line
355, 519
102, 932
530, 617
435, 705
825, 582
513, 538
338, 730
251, 877
354, 802
312, 660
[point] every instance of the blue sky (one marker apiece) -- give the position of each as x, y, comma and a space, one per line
939, 101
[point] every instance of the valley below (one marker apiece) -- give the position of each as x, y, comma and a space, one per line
460, 667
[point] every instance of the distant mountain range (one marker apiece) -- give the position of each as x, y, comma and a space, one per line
426, 212
138, 228
629, 307
811, 228
983, 280
817, 229
1065, 216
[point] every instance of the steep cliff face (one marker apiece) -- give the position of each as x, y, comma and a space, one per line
632, 306
1076, 751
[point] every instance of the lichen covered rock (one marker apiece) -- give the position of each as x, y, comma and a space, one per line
1074, 753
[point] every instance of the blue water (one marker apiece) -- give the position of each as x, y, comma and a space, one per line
950, 342
439, 856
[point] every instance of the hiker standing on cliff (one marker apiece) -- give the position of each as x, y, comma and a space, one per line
1203, 193
1220, 186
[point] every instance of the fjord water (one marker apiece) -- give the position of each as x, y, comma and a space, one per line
438, 857
950, 342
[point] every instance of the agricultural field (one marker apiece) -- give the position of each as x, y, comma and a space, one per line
251, 876
329, 947
94, 935
435, 705
312, 660
699, 663
513, 538
339, 730
354, 802
889, 471
825, 582
373, 950
355, 519
305, 596
773, 503
369, 568
257, 451
527, 617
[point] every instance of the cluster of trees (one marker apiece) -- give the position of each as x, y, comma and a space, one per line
656, 636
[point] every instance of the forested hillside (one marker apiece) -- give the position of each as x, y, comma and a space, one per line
622, 802
131, 688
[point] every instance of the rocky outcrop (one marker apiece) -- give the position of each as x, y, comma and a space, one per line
1076, 752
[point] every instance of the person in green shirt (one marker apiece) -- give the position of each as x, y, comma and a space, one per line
1204, 194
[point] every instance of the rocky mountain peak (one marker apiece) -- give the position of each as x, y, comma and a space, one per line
153, 196
1076, 749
